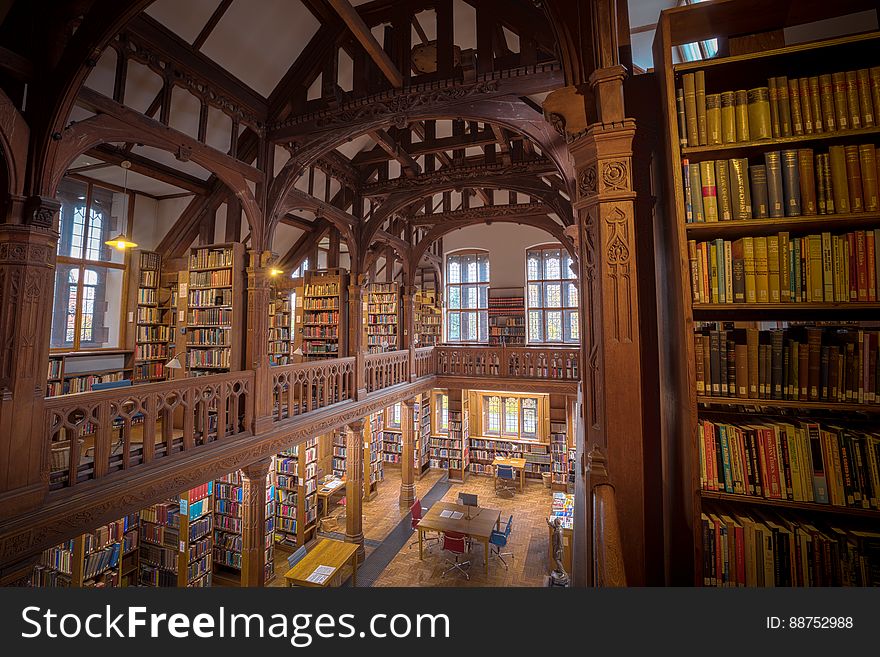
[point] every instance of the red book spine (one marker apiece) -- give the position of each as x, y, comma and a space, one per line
872, 274
853, 269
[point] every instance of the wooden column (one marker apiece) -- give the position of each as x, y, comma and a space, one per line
253, 523
356, 332
257, 341
408, 324
408, 439
27, 278
610, 359
354, 485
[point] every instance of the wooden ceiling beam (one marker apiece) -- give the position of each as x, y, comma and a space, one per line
211, 24
304, 245
362, 33
536, 209
378, 155
295, 221
140, 164
503, 143
391, 146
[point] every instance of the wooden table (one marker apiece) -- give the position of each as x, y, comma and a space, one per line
516, 464
480, 525
326, 494
327, 552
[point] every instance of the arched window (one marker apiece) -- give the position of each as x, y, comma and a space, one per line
551, 296
467, 296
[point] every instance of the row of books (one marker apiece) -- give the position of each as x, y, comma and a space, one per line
151, 351
210, 258
215, 337
322, 318
785, 107
210, 279
797, 462
85, 383
210, 317
769, 550
209, 357
789, 183
148, 315
146, 295
326, 331
784, 269
321, 289
321, 303
799, 364
210, 297
156, 333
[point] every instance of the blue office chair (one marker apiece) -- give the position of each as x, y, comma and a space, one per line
498, 540
507, 477
296, 557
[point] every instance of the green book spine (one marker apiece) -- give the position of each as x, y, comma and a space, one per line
682, 118
741, 115
696, 186
713, 119
728, 117
760, 114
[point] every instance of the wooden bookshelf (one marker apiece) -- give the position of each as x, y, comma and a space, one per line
228, 526
216, 306
428, 319
151, 309
296, 486
422, 418
683, 409
321, 322
457, 444
103, 558
176, 540
507, 317
339, 453
74, 372
374, 471
382, 318
281, 324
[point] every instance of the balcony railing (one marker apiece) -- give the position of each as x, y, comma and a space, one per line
305, 387
559, 363
93, 434
386, 370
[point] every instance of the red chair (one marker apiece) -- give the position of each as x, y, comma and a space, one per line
456, 544
415, 512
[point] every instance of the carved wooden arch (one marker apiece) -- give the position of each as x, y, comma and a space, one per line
544, 223
102, 129
339, 219
403, 251
514, 115
396, 203
14, 135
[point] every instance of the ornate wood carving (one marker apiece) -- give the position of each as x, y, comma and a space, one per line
407, 438
253, 522
354, 484
14, 134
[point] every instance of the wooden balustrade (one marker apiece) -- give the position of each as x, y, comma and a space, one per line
559, 363
386, 370
305, 387
93, 434
424, 362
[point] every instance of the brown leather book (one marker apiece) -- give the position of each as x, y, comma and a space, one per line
773, 89
866, 105
784, 106
807, 181
700, 84
742, 370
868, 166
690, 109
814, 339
874, 75
816, 102
698, 358
852, 100
752, 353
821, 191
806, 105
839, 184
794, 98
826, 95
803, 371
841, 109
854, 179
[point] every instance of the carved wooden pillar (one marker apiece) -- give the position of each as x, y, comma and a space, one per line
356, 332
408, 321
257, 347
611, 366
408, 439
354, 485
253, 523
27, 278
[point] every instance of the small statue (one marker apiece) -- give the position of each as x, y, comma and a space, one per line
558, 577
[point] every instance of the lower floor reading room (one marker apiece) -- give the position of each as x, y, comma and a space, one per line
448, 488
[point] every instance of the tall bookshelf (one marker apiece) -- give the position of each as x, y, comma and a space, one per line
339, 453
296, 486
215, 315
392, 436
457, 444
374, 471
428, 319
756, 460
103, 558
176, 540
228, 526
280, 326
507, 316
150, 313
382, 317
321, 327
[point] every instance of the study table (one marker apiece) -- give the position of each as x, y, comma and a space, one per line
479, 526
327, 552
326, 491
516, 464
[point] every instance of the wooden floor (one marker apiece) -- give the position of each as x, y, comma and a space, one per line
528, 540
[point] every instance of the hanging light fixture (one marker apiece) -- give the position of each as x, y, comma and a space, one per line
121, 242
275, 271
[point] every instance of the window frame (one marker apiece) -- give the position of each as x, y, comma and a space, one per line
437, 428
481, 312
83, 264
543, 308
504, 432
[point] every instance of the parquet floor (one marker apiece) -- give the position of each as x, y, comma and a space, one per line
528, 539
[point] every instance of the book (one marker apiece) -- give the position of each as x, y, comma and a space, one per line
702, 126
696, 192
775, 122
740, 192
758, 185
806, 104
741, 115
839, 184
690, 103
866, 104
713, 119
868, 171
775, 194
794, 97
854, 178
760, 126
785, 123
852, 100
815, 103
841, 109
826, 94
791, 185
709, 191
682, 117
728, 117
725, 209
